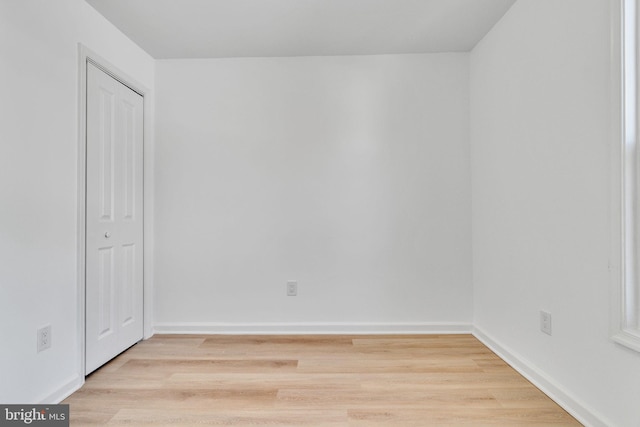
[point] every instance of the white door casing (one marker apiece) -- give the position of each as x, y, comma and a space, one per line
114, 218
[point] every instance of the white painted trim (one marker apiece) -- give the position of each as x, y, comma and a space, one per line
616, 175
545, 383
312, 328
112, 70
81, 209
70, 386
86, 55
148, 222
623, 267
628, 338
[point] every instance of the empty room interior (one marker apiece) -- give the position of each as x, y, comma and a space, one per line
320, 212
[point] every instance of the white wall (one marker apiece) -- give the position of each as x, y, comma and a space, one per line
38, 185
541, 141
348, 174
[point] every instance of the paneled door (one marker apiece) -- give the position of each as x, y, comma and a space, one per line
114, 257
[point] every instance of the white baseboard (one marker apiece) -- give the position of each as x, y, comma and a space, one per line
71, 385
545, 383
312, 328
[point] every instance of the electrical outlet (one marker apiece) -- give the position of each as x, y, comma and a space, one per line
292, 288
44, 338
545, 322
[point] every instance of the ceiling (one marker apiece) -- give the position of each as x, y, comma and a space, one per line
240, 28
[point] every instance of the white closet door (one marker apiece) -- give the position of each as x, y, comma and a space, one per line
114, 286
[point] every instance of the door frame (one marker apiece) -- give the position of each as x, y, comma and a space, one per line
85, 56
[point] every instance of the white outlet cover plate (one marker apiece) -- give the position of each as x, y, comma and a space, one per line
545, 322
44, 338
292, 288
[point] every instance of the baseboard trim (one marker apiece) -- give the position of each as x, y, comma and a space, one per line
545, 383
70, 386
312, 328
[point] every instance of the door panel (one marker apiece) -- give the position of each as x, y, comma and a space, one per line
106, 134
105, 291
129, 160
114, 282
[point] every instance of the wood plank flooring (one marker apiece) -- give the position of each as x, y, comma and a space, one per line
321, 380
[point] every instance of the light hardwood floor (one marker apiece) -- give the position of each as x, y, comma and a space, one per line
322, 380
